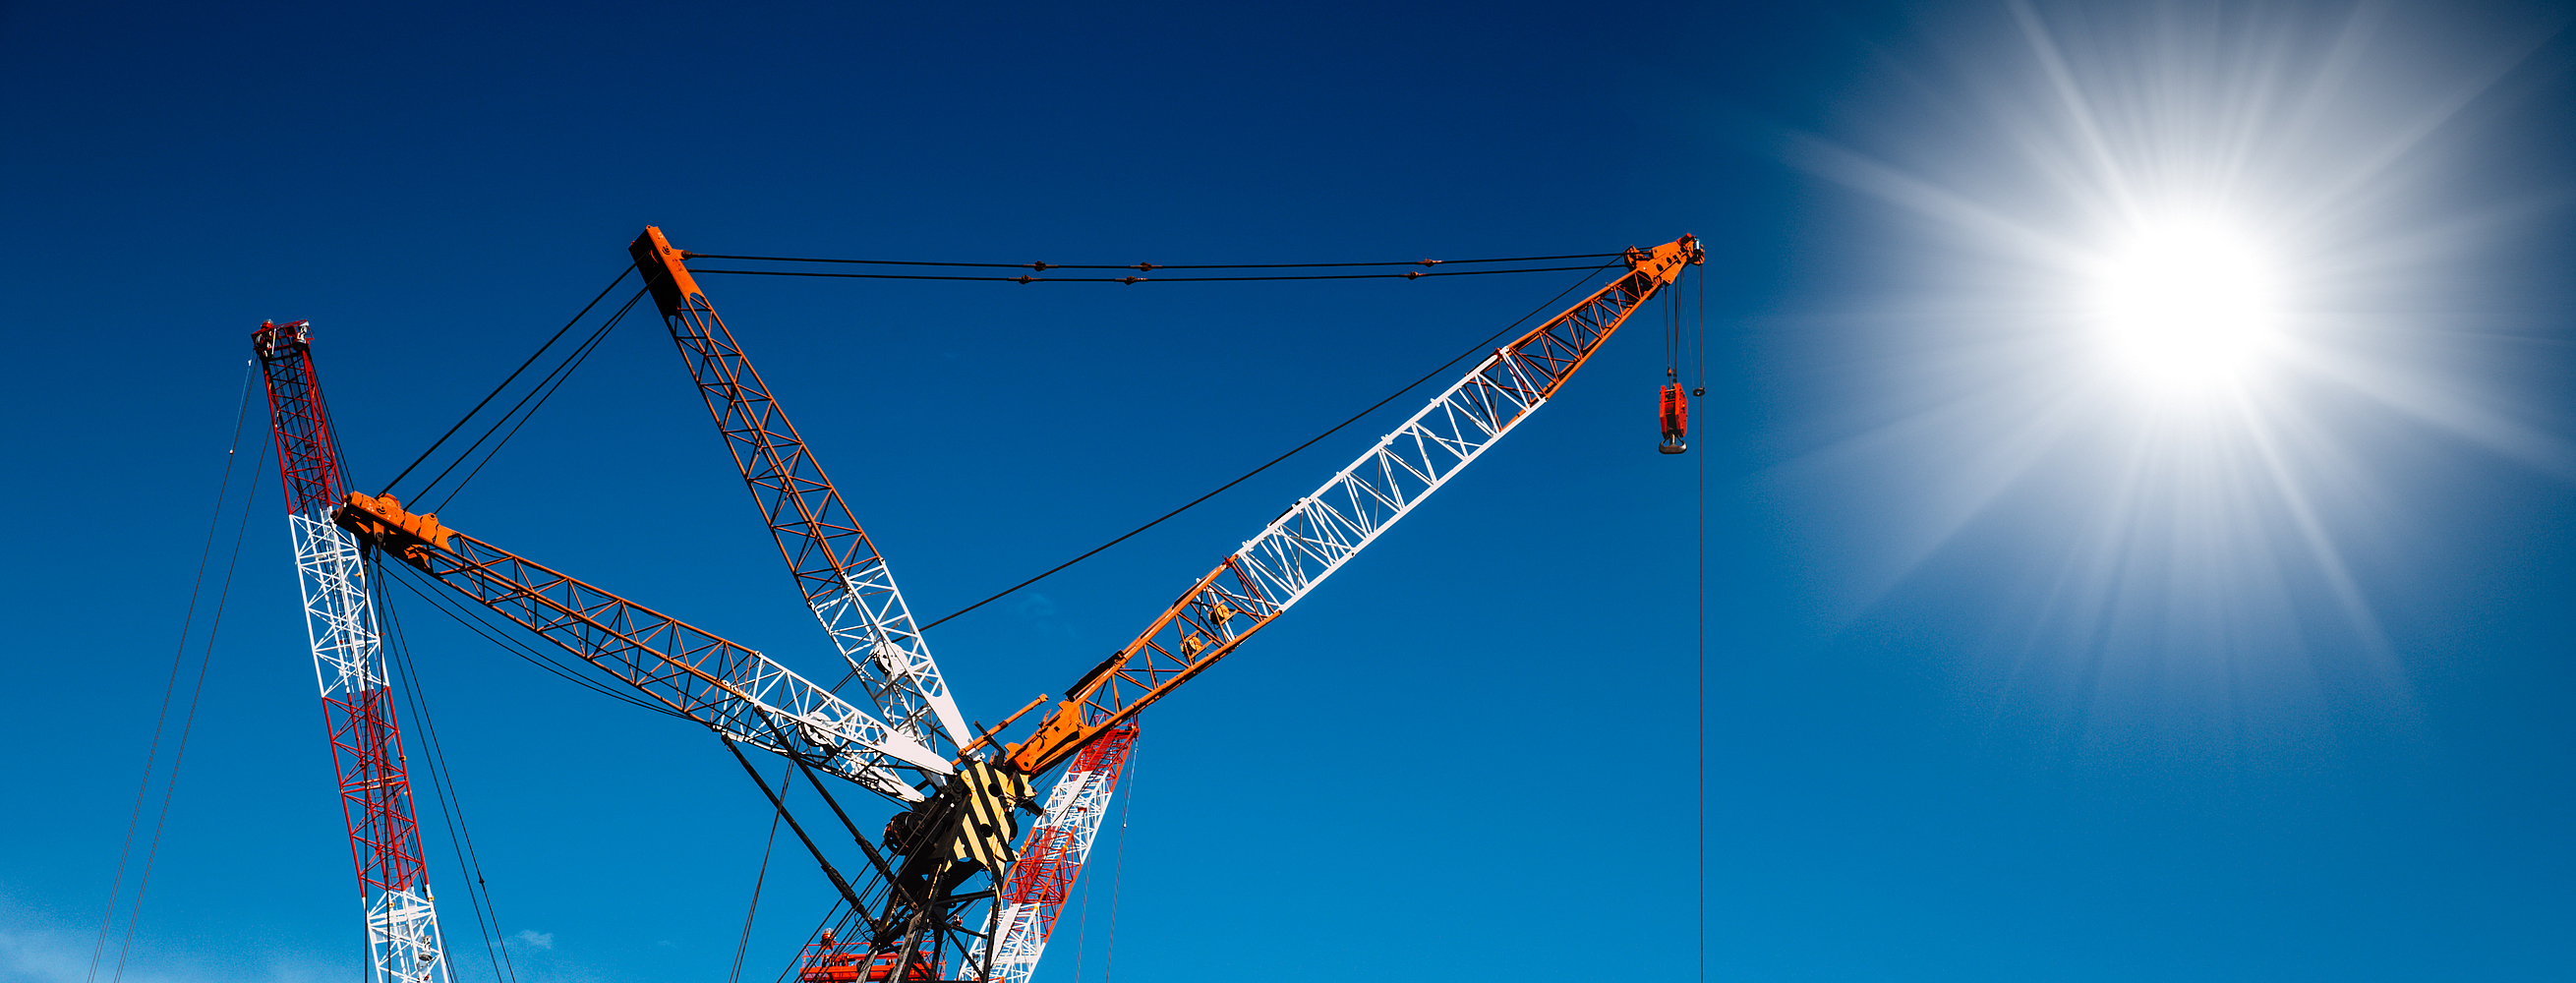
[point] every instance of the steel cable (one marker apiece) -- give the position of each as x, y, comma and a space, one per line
188, 722
554, 380
1024, 278
178, 658
1141, 267
1292, 452
505, 383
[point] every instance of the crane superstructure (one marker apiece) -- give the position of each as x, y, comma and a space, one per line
403, 944
918, 890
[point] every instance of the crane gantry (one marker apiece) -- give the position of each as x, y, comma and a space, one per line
950, 850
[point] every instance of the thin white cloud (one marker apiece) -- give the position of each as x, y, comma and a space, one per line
535, 939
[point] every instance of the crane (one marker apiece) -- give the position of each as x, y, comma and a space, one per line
917, 890
403, 943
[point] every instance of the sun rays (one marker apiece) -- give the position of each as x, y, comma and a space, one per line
2156, 277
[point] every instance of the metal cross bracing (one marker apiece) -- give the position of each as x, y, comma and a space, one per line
701, 675
1322, 531
1052, 856
844, 580
403, 943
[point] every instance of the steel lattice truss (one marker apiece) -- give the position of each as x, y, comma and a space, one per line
1052, 856
697, 673
403, 944
1322, 531
837, 568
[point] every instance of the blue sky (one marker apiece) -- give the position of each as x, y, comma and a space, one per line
2017, 667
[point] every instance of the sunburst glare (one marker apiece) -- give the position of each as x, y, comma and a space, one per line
2185, 303
2168, 302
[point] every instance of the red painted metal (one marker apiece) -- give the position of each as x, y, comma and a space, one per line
833, 961
307, 458
366, 739
1674, 414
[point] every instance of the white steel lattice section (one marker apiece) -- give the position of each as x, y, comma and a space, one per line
1322, 531
402, 935
348, 666
338, 620
694, 672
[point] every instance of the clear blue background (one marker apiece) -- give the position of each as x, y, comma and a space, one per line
1470, 755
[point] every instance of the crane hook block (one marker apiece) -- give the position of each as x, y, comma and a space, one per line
1675, 415
381, 522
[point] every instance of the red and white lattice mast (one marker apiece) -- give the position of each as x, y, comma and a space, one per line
349, 665
1051, 857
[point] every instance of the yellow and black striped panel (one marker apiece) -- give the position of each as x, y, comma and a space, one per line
988, 827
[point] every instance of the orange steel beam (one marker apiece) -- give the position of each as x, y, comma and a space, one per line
692, 671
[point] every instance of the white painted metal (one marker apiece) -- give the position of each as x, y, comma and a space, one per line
873, 629
1324, 530
1075, 807
403, 944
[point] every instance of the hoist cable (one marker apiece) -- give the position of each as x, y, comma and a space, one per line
534, 656
505, 383
442, 784
1700, 648
1415, 275
1292, 452
758, 881
1141, 267
188, 722
1118, 868
178, 658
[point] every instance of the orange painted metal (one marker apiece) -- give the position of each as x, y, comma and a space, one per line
1674, 414
660, 265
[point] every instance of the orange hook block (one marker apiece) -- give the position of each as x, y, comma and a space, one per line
1675, 416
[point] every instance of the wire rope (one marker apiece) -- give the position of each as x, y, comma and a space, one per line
552, 382
1292, 452
1142, 267
1025, 278
506, 639
451, 807
178, 658
188, 722
505, 383
1118, 870
1699, 688
743, 948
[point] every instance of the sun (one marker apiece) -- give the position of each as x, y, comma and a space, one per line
2186, 304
